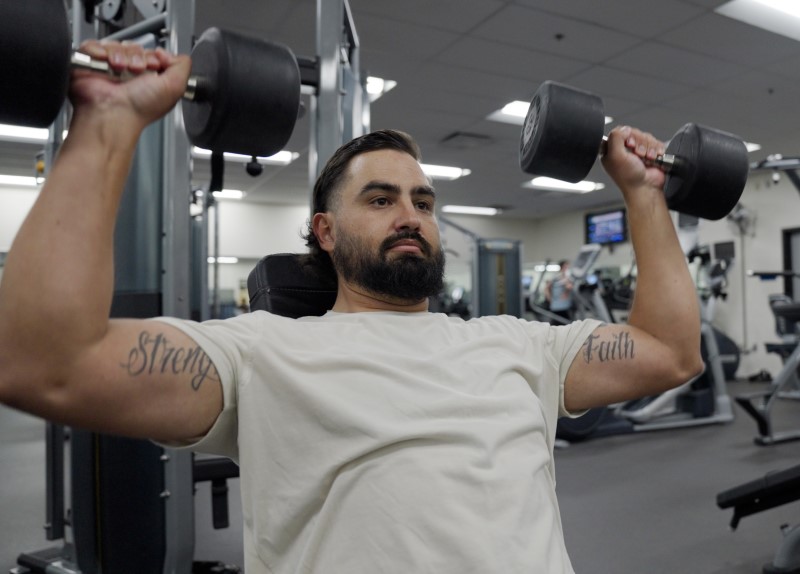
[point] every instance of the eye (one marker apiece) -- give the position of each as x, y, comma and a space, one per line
424, 206
380, 201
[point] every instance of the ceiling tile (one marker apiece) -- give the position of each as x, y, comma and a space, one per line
674, 65
605, 81
453, 15
537, 30
731, 40
642, 19
505, 60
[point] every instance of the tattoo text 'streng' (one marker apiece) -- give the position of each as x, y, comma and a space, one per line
602, 348
154, 354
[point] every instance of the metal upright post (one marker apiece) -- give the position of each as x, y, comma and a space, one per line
326, 116
178, 486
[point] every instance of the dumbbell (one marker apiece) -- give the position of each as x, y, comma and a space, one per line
562, 137
243, 96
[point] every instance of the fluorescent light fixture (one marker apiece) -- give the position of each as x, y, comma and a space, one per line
443, 171
558, 185
224, 194
283, 157
516, 108
770, 15
224, 260
23, 134
515, 112
19, 181
752, 146
229, 194
470, 210
376, 87
552, 267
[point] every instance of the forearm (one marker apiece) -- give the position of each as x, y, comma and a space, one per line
665, 303
58, 281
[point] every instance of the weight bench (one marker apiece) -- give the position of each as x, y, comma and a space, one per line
759, 404
773, 489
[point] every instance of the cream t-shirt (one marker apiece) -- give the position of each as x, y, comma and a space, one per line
393, 442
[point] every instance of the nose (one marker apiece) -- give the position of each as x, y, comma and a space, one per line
407, 216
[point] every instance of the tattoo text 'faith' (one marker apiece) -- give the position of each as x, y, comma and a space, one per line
154, 354
600, 348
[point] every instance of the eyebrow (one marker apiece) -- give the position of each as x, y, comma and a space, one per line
395, 189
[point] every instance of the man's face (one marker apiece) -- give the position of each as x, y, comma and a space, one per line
386, 238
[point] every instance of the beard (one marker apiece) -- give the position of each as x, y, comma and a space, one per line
406, 276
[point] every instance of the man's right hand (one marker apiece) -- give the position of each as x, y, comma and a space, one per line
155, 81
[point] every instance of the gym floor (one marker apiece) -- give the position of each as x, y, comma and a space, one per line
643, 503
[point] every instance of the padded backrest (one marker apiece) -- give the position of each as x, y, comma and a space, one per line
284, 284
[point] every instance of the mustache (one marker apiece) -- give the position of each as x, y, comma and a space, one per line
413, 235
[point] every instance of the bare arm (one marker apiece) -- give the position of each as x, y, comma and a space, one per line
659, 348
60, 356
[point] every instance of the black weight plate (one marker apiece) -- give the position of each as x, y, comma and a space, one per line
252, 94
36, 44
710, 172
562, 132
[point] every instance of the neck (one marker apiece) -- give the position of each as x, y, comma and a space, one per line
354, 299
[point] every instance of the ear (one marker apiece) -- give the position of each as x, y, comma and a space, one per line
322, 225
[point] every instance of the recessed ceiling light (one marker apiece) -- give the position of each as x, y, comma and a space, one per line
225, 194
470, 210
515, 112
21, 133
558, 185
443, 171
376, 87
283, 157
770, 15
19, 181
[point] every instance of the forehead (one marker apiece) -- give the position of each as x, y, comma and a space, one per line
389, 165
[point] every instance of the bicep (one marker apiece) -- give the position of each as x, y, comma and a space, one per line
144, 379
618, 363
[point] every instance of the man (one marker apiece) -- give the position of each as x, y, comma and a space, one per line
379, 438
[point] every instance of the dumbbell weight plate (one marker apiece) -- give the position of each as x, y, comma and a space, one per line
36, 45
562, 132
250, 94
709, 173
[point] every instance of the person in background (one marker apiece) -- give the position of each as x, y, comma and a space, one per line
558, 292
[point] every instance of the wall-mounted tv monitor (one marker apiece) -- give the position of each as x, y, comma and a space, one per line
606, 227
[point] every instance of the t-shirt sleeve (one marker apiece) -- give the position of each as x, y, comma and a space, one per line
567, 343
227, 343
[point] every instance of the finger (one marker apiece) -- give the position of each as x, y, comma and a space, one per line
95, 49
135, 57
153, 63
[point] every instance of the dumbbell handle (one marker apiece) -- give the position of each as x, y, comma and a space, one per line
195, 88
666, 161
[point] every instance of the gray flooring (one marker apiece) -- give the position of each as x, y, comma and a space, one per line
642, 503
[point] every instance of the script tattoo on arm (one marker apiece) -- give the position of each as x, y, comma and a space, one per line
601, 347
154, 354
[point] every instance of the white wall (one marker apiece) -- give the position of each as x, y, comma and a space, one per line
746, 316
14, 206
250, 231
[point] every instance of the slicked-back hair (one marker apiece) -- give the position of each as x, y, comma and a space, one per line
329, 182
